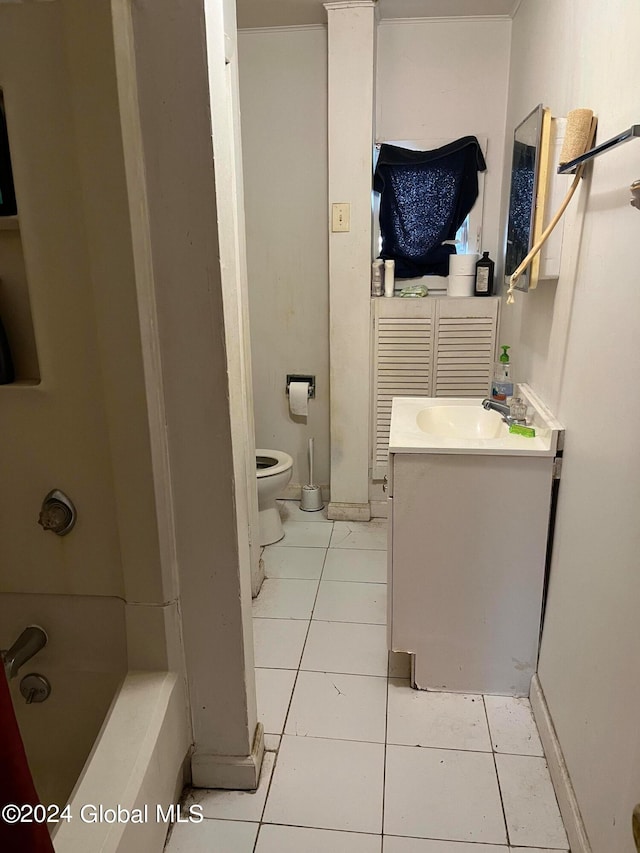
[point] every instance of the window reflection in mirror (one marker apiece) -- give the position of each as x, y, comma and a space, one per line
522, 196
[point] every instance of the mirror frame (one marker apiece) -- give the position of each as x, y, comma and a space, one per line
540, 118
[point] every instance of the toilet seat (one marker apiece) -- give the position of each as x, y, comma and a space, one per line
280, 462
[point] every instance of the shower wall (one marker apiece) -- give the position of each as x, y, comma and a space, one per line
84, 661
56, 433
83, 426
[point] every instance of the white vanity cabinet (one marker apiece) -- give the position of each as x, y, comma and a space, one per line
467, 552
437, 346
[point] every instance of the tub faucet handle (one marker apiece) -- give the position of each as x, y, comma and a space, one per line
35, 688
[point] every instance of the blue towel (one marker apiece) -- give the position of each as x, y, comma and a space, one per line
425, 197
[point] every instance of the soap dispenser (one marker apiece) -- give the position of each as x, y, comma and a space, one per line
501, 385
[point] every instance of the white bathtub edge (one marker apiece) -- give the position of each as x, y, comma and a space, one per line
137, 760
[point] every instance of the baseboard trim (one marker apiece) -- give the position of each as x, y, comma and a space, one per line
292, 492
339, 511
236, 772
379, 509
569, 808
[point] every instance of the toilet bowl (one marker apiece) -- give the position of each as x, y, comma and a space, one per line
273, 470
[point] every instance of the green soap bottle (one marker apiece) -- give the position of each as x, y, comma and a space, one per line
501, 385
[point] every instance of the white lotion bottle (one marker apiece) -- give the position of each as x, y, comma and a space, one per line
389, 277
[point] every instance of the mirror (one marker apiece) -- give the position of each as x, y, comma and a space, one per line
526, 197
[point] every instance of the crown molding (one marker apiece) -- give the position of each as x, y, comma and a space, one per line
281, 29
349, 4
449, 19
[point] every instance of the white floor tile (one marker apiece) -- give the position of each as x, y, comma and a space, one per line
273, 692
512, 726
535, 850
236, 805
393, 844
399, 665
278, 643
444, 720
293, 562
345, 707
442, 794
530, 807
285, 599
327, 784
290, 511
213, 836
367, 535
346, 647
340, 601
272, 743
294, 839
306, 534
354, 564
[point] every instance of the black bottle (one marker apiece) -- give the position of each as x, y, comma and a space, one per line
7, 373
484, 276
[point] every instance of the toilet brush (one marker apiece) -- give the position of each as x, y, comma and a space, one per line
311, 496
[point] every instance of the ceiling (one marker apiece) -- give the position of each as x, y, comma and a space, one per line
282, 13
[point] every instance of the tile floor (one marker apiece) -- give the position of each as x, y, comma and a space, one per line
357, 761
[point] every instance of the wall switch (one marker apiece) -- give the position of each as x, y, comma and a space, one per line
341, 216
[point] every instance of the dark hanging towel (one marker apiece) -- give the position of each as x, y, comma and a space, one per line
424, 199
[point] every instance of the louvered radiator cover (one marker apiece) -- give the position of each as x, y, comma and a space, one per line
431, 347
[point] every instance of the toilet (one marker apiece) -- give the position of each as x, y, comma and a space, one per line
273, 470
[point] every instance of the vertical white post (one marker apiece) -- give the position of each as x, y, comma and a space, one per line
187, 223
352, 31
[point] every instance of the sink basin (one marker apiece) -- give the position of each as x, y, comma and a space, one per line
466, 422
462, 425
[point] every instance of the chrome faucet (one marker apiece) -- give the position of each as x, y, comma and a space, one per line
502, 409
28, 644
494, 405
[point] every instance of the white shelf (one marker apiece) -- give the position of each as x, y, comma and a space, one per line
9, 223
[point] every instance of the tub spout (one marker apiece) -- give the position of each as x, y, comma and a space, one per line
25, 647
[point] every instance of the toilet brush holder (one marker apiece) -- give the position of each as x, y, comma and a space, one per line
311, 496
311, 499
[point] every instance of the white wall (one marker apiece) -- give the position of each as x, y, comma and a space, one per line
570, 54
442, 79
283, 98
448, 78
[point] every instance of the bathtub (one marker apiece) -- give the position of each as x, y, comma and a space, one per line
106, 736
137, 761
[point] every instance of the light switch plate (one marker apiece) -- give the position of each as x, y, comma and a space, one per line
341, 216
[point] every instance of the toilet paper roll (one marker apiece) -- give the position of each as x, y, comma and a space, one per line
460, 285
463, 264
299, 398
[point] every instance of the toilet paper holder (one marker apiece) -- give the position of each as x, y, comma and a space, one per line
298, 377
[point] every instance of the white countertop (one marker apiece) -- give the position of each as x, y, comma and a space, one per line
407, 436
